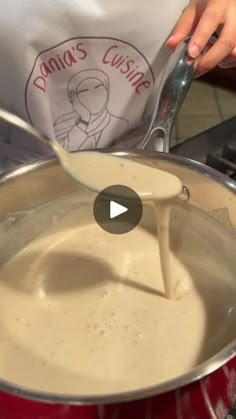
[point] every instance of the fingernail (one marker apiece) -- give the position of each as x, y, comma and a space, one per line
194, 51
171, 39
229, 64
189, 60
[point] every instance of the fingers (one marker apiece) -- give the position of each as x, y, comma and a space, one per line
203, 18
220, 50
207, 25
184, 26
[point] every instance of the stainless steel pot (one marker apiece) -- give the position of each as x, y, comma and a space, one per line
44, 182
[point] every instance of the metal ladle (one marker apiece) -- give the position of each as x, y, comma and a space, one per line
175, 83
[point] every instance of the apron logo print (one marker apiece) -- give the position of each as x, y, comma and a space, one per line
90, 91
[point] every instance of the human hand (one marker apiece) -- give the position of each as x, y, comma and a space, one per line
202, 18
82, 112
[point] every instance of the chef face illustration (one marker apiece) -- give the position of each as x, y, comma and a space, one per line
88, 92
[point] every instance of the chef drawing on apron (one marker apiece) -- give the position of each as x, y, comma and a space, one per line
90, 121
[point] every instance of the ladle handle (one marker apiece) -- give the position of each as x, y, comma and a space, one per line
176, 80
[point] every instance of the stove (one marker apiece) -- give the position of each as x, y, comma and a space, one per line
215, 147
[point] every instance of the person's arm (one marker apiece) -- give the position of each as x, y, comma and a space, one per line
202, 18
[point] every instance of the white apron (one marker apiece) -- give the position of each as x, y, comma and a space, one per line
81, 71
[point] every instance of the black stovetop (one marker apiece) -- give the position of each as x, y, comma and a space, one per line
215, 147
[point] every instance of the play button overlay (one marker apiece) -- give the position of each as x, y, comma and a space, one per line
118, 209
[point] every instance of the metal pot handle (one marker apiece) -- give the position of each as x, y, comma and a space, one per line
176, 80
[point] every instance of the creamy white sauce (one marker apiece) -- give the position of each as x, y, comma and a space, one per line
98, 170
84, 314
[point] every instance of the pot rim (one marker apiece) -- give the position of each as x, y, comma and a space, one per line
197, 373
179, 160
